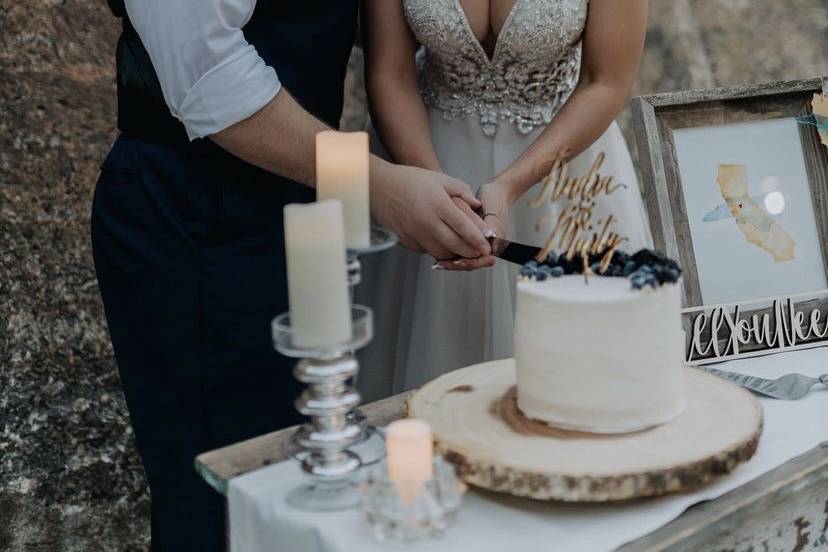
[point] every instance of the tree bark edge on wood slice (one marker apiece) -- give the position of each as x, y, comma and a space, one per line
683, 477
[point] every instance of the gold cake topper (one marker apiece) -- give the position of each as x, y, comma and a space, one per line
575, 232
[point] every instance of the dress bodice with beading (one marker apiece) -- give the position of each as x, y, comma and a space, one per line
533, 70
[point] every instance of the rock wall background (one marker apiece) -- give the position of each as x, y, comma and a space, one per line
70, 479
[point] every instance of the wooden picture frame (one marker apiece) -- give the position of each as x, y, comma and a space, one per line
656, 119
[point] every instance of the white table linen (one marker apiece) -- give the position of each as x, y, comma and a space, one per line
261, 521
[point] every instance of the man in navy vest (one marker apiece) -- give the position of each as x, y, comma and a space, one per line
218, 105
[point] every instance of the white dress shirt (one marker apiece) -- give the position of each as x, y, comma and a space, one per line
210, 75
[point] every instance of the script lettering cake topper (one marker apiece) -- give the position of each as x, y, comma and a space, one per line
575, 232
732, 331
580, 244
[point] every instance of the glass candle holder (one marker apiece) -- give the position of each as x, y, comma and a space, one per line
323, 444
428, 515
369, 443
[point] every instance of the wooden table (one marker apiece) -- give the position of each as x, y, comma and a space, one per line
785, 509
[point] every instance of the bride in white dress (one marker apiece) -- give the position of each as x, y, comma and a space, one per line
498, 87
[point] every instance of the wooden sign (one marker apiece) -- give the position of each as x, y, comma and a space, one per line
737, 330
722, 330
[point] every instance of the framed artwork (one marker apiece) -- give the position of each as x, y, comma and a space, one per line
736, 186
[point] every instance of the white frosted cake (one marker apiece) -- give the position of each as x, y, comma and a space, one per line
600, 357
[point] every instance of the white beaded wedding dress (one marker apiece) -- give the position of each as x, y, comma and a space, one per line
483, 113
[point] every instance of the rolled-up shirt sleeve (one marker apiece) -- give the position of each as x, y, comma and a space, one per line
210, 75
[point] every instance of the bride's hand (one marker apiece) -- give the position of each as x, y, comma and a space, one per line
494, 209
495, 201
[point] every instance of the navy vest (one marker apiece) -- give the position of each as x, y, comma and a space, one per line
307, 42
189, 252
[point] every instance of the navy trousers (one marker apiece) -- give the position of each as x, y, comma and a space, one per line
189, 252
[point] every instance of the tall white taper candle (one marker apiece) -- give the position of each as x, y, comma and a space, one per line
342, 161
410, 450
320, 308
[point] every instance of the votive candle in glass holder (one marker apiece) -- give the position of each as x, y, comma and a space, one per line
434, 507
409, 449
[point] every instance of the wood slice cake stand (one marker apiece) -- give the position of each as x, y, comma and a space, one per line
478, 427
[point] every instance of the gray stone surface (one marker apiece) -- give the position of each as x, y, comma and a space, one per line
69, 476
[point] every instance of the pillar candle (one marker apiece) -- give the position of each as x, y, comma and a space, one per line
342, 173
320, 308
409, 449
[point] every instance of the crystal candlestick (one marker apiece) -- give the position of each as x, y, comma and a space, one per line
381, 239
372, 448
337, 439
322, 444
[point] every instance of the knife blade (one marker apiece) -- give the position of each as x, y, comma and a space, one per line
513, 252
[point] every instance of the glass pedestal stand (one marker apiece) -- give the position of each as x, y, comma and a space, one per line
370, 445
322, 444
337, 440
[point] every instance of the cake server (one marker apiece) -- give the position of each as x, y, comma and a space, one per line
513, 252
788, 387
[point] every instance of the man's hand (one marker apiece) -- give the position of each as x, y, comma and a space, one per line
421, 206
415, 203
494, 209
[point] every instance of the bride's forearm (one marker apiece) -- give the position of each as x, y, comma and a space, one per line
612, 45
582, 120
400, 117
397, 110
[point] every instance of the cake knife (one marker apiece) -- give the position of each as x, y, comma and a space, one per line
789, 387
513, 252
